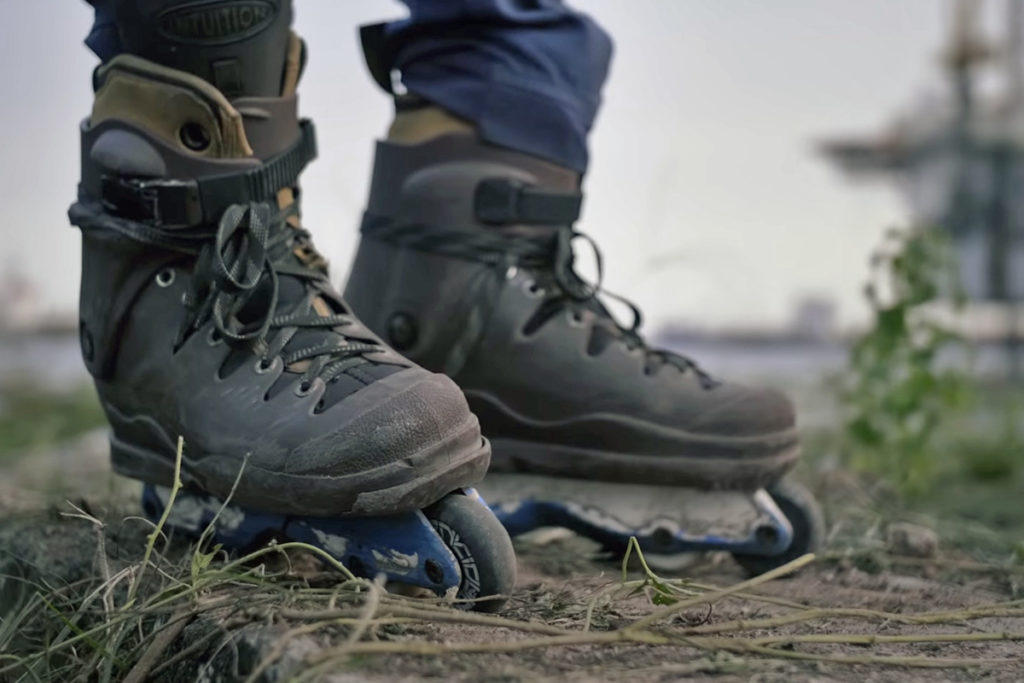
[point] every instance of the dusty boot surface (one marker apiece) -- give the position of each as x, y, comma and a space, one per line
466, 267
206, 312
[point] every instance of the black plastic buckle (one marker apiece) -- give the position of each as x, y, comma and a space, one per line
497, 201
165, 203
505, 201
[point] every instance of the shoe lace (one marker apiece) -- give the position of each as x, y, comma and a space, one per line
572, 288
551, 254
237, 283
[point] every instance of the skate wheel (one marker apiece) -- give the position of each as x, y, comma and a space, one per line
480, 545
808, 522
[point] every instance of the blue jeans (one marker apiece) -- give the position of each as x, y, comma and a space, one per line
527, 73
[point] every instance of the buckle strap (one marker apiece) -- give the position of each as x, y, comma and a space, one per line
187, 202
503, 201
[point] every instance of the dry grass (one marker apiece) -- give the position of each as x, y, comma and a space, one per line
127, 623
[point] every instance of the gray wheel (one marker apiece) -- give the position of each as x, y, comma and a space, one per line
482, 547
804, 513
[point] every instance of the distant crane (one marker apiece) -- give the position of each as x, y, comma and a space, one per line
959, 163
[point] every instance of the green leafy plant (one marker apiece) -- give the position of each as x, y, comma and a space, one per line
896, 394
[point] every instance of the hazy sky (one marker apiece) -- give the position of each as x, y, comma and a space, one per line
704, 192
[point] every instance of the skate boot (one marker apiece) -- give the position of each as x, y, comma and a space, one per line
466, 267
206, 312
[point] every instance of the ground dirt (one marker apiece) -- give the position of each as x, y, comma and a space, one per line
272, 631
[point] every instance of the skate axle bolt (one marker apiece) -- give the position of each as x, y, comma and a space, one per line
434, 571
767, 534
663, 537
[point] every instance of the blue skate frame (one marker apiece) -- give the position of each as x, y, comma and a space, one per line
404, 548
771, 537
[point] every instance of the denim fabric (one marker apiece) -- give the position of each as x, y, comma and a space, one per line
527, 73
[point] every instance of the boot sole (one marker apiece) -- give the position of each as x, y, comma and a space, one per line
682, 458
422, 479
683, 469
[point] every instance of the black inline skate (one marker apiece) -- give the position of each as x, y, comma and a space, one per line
207, 314
466, 266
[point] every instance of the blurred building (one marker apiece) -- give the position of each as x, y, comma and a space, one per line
814, 319
21, 301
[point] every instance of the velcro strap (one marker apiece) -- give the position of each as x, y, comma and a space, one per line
182, 203
504, 201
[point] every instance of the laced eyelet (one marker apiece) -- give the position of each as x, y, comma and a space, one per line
194, 136
305, 388
262, 367
165, 277
213, 337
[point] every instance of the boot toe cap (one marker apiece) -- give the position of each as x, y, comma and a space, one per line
736, 410
406, 418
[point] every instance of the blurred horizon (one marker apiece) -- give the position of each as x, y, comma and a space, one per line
706, 193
